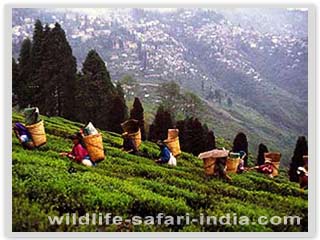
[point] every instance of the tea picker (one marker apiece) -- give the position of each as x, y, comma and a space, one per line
32, 134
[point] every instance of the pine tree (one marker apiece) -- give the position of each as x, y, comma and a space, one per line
15, 79
44, 97
195, 137
240, 143
37, 57
198, 138
38, 35
180, 125
137, 113
57, 74
186, 145
262, 150
211, 141
66, 76
161, 124
297, 158
118, 111
22, 85
95, 92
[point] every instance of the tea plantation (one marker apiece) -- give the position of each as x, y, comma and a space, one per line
128, 185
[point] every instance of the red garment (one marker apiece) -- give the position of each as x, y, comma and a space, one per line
266, 168
303, 180
79, 152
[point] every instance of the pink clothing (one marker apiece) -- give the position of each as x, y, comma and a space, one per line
79, 152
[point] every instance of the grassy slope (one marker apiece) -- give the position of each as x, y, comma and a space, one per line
227, 121
128, 185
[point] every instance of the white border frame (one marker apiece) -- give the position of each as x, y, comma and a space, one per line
311, 126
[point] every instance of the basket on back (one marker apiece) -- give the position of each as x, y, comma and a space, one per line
209, 159
94, 145
173, 133
37, 133
232, 162
173, 145
132, 128
275, 159
173, 141
136, 137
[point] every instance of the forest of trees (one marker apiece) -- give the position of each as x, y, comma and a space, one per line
46, 76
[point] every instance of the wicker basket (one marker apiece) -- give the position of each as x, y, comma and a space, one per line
216, 153
209, 164
276, 169
174, 146
173, 133
232, 164
136, 137
130, 126
37, 133
275, 159
94, 146
209, 159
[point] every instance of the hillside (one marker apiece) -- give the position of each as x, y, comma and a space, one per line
226, 121
128, 185
257, 58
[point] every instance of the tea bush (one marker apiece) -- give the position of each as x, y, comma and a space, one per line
128, 185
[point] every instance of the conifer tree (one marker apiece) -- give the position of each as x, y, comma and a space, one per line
192, 136
38, 35
95, 92
300, 150
36, 57
137, 113
180, 125
57, 74
66, 76
161, 124
118, 111
211, 141
262, 150
240, 143
197, 137
22, 84
44, 97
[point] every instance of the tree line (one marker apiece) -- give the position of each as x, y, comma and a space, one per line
46, 76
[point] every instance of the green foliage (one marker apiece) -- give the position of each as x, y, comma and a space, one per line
162, 122
195, 137
118, 112
128, 185
97, 99
22, 83
137, 113
55, 75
